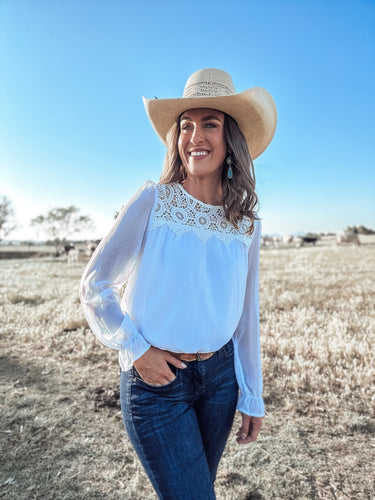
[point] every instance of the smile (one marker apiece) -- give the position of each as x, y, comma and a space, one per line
199, 153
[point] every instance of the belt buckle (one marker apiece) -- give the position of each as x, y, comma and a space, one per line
198, 357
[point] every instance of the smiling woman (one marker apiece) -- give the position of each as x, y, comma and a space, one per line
235, 189
187, 327
202, 149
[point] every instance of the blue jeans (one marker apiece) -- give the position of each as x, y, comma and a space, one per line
179, 430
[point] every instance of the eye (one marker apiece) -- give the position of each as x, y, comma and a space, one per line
186, 126
210, 125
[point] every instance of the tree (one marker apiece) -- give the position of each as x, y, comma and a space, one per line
359, 230
6, 217
365, 230
60, 223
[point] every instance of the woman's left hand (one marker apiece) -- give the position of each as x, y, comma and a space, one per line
249, 430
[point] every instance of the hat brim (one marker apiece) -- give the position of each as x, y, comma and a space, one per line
253, 109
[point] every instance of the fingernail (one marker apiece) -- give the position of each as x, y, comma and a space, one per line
243, 436
183, 365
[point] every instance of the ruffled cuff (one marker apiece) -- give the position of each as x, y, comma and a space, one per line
251, 405
134, 347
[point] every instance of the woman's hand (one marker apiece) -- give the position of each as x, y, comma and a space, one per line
153, 367
249, 429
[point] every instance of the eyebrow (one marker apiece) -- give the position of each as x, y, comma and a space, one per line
204, 119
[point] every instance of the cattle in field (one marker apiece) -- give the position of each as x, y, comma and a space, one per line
309, 240
306, 240
288, 239
76, 255
68, 247
91, 247
270, 241
266, 241
347, 238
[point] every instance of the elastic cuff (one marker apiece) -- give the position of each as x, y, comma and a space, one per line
128, 356
251, 406
134, 347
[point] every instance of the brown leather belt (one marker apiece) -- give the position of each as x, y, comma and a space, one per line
199, 356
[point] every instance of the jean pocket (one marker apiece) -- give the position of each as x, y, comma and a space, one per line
228, 349
137, 378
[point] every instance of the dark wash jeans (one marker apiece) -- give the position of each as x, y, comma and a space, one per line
179, 430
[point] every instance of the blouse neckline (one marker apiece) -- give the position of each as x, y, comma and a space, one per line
196, 199
181, 212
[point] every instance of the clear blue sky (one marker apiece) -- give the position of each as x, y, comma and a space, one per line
73, 129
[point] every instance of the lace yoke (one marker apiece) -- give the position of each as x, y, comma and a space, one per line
181, 212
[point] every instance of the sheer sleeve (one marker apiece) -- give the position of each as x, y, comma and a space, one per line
246, 339
109, 268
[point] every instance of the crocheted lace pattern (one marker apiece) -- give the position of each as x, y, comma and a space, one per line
181, 212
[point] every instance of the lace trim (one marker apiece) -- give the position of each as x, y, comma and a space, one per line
181, 212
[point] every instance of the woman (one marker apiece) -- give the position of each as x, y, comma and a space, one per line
187, 327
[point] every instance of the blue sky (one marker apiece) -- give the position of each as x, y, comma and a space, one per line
73, 130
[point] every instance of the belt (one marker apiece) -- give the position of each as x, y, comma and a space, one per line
199, 356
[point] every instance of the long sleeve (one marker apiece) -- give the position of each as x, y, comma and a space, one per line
109, 268
246, 339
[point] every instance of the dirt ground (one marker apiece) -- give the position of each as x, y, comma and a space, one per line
61, 431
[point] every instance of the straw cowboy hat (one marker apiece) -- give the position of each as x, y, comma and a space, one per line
253, 109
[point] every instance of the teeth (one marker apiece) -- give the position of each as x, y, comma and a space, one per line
199, 153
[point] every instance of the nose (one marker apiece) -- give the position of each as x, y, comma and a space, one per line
196, 135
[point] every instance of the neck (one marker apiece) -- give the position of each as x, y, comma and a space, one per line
207, 189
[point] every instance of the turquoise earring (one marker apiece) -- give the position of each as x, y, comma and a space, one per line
229, 162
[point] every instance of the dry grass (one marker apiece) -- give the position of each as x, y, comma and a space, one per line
318, 333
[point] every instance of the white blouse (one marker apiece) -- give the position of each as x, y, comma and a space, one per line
191, 284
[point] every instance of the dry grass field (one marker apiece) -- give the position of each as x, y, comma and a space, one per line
62, 437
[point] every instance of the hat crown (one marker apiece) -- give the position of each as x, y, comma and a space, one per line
209, 82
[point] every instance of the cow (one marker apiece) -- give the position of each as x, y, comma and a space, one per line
276, 240
91, 247
67, 247
266, 241
306, 240
288, 239
76, 255
347, 238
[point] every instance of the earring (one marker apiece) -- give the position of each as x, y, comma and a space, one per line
229, 162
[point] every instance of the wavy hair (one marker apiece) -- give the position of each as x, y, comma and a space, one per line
239, 196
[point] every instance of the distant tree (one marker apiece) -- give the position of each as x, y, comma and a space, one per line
6, 217
365, 230
351, 229
61, 223
359, 230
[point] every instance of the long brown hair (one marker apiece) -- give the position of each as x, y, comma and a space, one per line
239, 196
